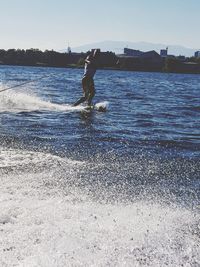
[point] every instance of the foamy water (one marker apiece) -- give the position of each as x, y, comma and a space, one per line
42, 225
26, 101
19, 102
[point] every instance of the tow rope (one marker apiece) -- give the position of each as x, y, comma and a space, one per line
21, 84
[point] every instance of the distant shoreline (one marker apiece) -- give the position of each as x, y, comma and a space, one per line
152, 62
81, 67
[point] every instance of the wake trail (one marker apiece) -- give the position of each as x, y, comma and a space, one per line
19, 102
23, 101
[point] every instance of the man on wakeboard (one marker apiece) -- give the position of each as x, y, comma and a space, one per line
87, 80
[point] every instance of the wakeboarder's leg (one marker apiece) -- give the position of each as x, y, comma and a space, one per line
79, 101
91, 93
85, 92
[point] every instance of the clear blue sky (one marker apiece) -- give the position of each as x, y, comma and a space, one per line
52, 24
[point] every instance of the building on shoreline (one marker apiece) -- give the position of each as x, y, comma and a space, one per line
141, 61
132, 52
164, 52
137, 60
197, 54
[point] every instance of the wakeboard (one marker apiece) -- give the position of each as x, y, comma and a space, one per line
96, 107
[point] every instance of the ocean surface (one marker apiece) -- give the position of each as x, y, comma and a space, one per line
90, 188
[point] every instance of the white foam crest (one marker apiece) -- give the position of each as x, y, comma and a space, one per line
40, 226
19, 101
57, 232
17, 157
104, 104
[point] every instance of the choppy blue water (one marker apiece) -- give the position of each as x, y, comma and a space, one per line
144, 149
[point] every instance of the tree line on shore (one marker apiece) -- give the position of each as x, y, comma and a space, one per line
51, 58
33, 57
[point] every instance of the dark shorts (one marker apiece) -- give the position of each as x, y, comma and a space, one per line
88, 82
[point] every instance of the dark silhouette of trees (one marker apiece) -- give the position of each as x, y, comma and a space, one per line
51, 58
190, 65
34, 57
171, 64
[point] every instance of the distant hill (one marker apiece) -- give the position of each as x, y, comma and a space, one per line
118, 46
